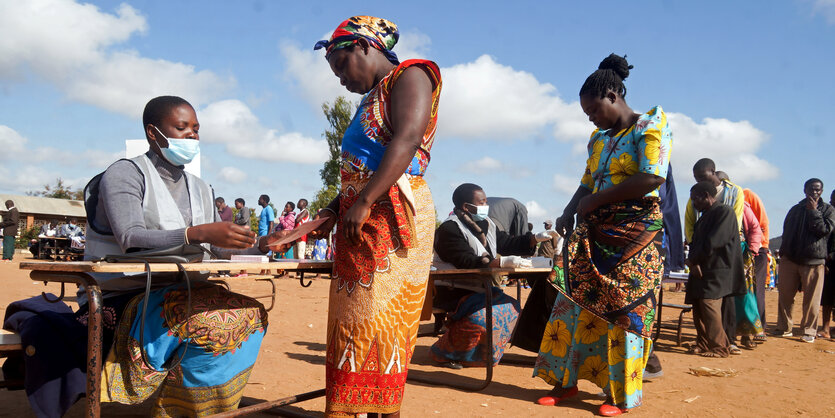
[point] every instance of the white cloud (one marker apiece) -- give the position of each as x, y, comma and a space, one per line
490, 165
33, 178
565, 184
826, 8
11, 142
535, 210
232, 175
232, 122
731, 145
483, 166
484, 99
71, 46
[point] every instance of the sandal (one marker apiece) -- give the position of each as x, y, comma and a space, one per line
748, 343
710, 354
734, 350
760, 338
550, 400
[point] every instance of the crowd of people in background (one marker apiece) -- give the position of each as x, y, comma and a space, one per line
269, 219
731, 264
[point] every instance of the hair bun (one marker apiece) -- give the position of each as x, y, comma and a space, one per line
617, 64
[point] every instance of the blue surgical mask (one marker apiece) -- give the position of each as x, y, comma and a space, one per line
179, 151
481, 212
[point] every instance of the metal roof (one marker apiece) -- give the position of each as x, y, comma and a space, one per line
35, 205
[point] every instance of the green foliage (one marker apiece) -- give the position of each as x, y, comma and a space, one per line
323, 197
59, 191
339, 116
22, 241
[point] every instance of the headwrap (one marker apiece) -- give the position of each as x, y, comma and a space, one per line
380, 33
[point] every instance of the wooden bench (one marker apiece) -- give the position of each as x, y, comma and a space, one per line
10, 344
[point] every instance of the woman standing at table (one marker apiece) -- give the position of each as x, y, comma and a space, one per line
600, 326
384, 215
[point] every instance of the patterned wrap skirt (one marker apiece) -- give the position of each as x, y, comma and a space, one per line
224, 334
376, 297
600, 326
465, 339
748, 321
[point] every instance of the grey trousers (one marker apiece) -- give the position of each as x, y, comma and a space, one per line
792, 277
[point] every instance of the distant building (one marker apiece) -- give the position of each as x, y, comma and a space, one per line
36, 211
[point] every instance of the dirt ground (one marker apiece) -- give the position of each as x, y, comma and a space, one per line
783, 376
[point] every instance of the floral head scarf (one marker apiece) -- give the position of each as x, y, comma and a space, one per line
380, 33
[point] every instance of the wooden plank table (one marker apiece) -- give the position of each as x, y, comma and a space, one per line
78, 272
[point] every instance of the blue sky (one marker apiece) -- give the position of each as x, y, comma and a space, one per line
745, 83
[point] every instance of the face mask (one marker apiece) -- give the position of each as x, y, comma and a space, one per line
179, 151
481, 212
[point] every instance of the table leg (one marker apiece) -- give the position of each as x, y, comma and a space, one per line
487, 282
94, 348
301, 280
658, 314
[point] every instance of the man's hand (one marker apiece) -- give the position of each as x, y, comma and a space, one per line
222, 234
811, 203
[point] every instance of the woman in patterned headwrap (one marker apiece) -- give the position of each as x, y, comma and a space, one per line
384, 216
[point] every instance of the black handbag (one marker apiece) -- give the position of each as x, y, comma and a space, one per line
178, 254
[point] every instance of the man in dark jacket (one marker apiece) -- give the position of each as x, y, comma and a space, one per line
716, 270
9, 226
509, 214
803, 253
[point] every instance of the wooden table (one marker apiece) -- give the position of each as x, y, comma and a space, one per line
51, 243
486, 277
78, 272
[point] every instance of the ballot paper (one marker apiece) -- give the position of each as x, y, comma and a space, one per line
297, 233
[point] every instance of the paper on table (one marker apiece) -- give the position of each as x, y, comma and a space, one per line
297, 233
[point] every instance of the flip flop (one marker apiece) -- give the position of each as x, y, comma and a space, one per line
760, 338
735, 350
710, 354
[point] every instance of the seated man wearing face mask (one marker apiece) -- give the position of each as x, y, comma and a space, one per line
470, 239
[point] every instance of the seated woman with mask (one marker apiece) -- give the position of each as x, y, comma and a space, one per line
469, 239
150, 202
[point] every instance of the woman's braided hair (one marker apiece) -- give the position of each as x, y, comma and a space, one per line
609, 76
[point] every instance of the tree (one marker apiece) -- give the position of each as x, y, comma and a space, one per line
59, 191
339, 116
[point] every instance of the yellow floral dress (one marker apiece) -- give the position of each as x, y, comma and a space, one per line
578, 343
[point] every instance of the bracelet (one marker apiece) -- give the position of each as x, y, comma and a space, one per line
185, 235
